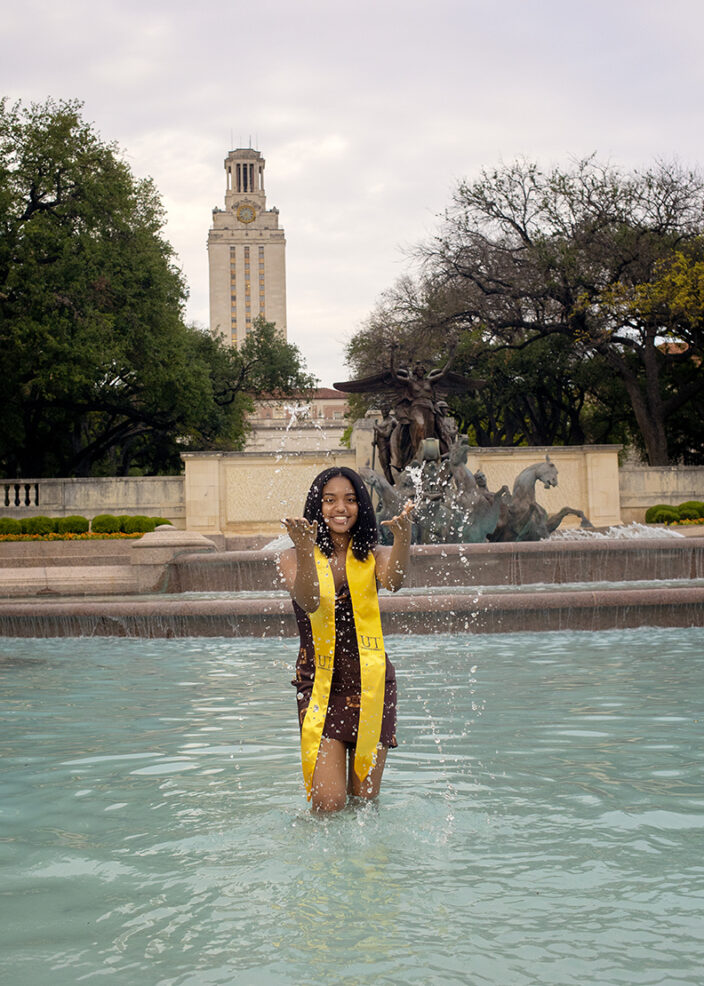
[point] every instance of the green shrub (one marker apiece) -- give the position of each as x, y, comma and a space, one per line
688, 513
105, 524
696, 505
72, 525
652, 511
8, 525
139, 524
158, 521
123, 520
39, 525
665, 515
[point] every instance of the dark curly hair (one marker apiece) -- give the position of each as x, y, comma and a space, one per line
364, 533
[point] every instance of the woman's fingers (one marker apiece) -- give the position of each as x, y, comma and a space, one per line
402, 518
295, 522
299, 526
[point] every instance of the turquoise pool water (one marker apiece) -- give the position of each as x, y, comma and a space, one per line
540, 823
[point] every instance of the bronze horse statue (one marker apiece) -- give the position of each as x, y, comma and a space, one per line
477, 511
526, 520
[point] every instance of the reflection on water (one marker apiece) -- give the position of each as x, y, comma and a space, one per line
540, 822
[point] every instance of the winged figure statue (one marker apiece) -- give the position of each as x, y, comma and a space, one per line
414, 391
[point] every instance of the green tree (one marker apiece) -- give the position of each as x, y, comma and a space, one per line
543, 394
540, 395
607, 261
98, 372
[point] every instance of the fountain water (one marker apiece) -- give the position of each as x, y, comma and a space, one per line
540, 820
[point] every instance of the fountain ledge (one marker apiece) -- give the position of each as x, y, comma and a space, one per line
522, 563
273, 617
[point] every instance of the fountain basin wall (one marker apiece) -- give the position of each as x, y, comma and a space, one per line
422, 613
472, 564
452, 588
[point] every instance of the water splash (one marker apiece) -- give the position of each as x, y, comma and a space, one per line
416, 475
297, 412
279, 544
617, 532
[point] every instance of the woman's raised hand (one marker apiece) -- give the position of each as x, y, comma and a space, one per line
401, 524
301, 532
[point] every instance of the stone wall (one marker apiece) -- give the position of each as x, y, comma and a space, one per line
155, 496
249, 492
641, 487
273, 437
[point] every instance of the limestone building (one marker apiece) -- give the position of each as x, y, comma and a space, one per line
246, 253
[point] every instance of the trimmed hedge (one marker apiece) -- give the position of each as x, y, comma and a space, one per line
105, 524
125, 524
39, 525
692, 505
8, 525
667, 513
139, 524
662, 514
651, 512
72, 525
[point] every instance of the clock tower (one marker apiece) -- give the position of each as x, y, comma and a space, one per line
246, 253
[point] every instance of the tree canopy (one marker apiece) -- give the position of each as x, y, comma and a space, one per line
98, 371
577, 293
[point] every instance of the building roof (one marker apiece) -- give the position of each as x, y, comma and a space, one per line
327, 393
320, 394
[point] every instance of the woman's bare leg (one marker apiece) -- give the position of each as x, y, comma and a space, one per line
329, 792
369, 787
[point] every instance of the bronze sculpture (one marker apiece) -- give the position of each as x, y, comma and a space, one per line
383, 430
418, 412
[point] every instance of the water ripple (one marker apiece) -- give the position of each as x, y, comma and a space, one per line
540, 821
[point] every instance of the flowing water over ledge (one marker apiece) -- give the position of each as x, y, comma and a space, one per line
541, 821
678, 603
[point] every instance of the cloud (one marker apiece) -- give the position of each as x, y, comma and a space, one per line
367, 115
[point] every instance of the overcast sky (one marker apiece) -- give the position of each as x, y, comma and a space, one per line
367, 114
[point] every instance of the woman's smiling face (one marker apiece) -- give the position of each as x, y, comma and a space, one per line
339, 505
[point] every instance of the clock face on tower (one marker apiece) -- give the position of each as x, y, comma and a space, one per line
246, 214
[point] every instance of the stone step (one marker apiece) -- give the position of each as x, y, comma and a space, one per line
35, 554
52, 561
67, 580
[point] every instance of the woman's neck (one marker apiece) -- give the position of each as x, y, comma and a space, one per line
340, 543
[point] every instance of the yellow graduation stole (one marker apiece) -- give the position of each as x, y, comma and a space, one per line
361, 579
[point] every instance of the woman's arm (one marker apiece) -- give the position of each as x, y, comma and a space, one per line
298, 563
392, 563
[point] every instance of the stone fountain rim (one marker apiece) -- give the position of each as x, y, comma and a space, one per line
489, 548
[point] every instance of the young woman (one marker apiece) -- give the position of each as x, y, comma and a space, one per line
346, 686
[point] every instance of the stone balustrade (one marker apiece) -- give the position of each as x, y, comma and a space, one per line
154, 496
